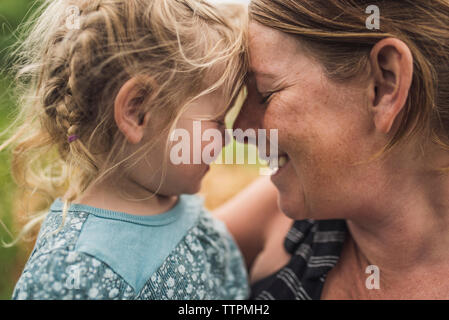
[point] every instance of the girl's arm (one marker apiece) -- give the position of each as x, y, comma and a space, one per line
251, 216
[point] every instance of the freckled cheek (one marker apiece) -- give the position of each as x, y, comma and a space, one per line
324, 166
337, 143
311, 157
285, 116
306, 132
279, 115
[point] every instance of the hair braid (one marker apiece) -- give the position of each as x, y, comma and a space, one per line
69, 79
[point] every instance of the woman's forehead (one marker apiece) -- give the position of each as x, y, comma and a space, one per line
270, 49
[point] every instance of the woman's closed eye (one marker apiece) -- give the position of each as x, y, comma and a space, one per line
266, 98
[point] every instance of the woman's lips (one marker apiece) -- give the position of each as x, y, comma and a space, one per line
282, 162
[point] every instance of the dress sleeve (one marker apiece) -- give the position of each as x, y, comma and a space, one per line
61, 275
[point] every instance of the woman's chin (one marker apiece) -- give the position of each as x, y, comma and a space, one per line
291, 197
291, 208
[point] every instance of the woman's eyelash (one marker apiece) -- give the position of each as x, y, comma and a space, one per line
266, 98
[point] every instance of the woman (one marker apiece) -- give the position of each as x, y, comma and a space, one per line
363, 120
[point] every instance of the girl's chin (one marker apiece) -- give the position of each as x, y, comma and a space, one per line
193, 188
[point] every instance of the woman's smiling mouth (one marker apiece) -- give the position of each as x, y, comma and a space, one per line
282, 162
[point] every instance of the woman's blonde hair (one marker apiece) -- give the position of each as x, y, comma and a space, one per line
75, 57
335, 32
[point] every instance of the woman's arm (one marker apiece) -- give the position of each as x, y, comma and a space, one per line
250, 217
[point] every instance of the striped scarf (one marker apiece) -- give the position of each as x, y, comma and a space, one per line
315, 247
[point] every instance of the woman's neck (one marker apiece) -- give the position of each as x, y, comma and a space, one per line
407, 235
109, 194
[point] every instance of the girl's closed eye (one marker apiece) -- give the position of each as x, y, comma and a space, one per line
220, 122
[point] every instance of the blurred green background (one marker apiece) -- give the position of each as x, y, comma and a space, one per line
12, 13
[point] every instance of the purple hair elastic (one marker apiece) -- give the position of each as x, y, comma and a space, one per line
72, 138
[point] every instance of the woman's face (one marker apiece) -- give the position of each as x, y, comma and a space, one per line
324, 127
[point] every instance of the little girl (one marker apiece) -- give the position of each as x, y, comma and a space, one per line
106, 83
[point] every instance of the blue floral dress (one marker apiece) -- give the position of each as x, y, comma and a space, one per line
101, 254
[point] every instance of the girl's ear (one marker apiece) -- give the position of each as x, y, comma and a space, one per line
128, 113
392, 65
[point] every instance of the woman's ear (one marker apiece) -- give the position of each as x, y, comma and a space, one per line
392, 66
128, 113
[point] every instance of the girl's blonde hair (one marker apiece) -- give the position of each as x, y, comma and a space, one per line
71, 66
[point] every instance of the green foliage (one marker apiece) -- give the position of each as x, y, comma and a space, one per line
7, 255
12, 13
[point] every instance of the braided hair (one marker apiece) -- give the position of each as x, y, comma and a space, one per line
65, 137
